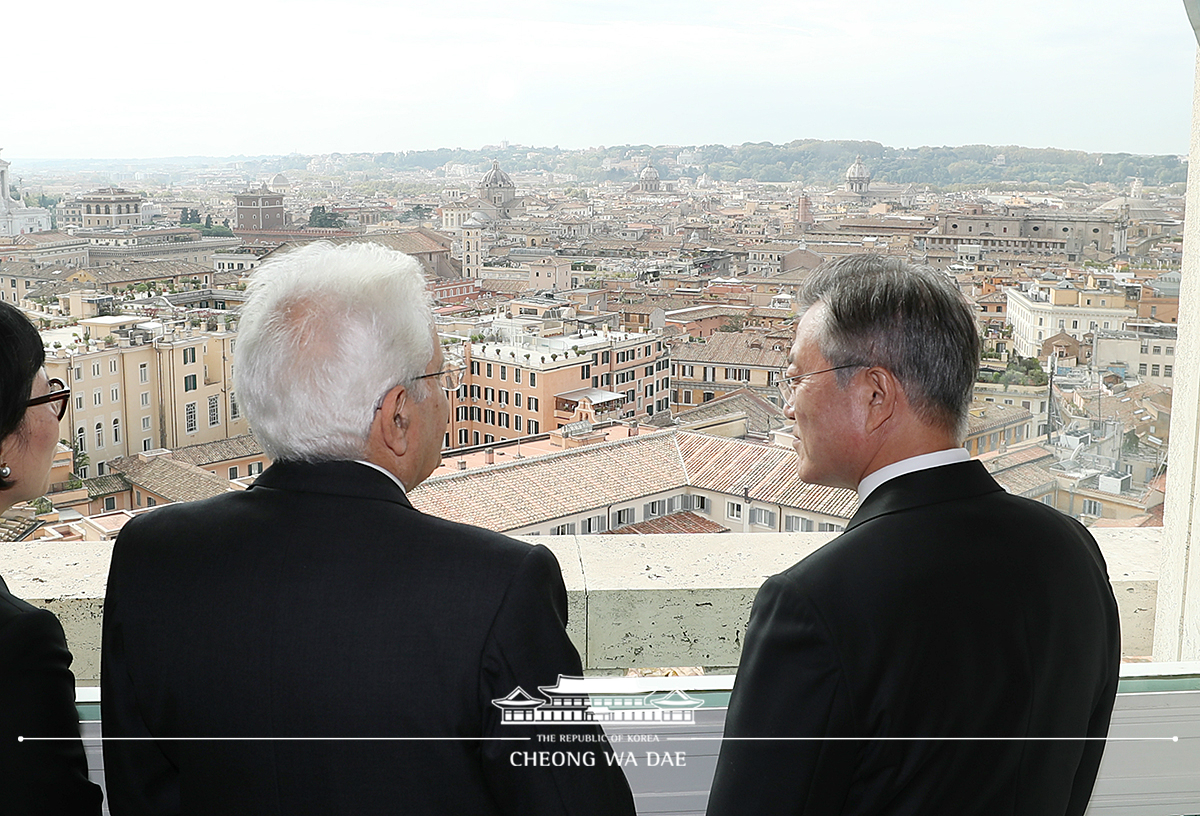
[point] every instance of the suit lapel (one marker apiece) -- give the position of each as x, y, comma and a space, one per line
925, 487
351, 480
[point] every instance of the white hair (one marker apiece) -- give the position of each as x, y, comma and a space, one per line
326, 331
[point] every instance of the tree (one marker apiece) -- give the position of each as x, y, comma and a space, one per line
208, 221
320, 217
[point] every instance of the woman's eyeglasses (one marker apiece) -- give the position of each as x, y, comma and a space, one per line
56, 399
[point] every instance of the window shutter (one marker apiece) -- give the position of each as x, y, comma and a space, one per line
646, 511
603, 522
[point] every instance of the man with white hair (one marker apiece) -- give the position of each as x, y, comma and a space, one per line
314, 645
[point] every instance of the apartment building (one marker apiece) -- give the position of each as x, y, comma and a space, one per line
1150, 355
539, 373
725, 362
145, 392
1047, 309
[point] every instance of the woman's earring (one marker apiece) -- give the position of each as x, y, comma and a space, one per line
5, 471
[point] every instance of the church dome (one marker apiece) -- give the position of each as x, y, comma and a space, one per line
496, 177
858, 171
649, 173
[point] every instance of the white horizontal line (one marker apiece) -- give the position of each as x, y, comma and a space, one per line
275, 739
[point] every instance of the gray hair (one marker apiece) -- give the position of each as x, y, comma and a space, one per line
909, 320
326, 332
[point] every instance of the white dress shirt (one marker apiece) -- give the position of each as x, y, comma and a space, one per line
910, 465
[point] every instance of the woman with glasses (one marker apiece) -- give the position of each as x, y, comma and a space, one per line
37, 689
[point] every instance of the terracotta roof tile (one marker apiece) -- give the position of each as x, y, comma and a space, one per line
685, 522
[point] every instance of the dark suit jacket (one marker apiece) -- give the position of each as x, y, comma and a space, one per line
37, 699
948, 608
320, 604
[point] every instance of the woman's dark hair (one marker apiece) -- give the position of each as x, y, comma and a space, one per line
21, 355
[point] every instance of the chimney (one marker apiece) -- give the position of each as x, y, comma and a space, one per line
490, 456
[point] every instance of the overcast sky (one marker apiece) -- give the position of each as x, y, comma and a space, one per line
144, 79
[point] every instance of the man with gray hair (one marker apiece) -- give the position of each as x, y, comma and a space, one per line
955, 650
313, 644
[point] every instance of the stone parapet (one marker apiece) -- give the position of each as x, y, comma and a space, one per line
645, 601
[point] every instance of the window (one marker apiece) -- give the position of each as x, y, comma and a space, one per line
79, 402
489, 369
189, 355
516, 422
116, 431
762, 516
625, 516
656, 508
145, 444
253, 468
110, 503
189, 382
532, 379
99, 434
1142, 369
233, 472
1158, 349
1092, 508
234, 411
503, 397
585, 371
79, 372
489, 417
115, 395
733, 510
145, 423
532, 403
796, 524
517, 399
463, 437
95, 369
1154, 370
563, 529
700, 503
189, 417
504, 372
829, 527
143, 373
475, 367
1074, 324
502, 419
151, 501
1168, 371
97, 397
595, 524
489, 394
112, 366
531, 427
83, 472
214, 411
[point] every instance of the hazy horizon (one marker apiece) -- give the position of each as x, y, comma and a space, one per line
230, 79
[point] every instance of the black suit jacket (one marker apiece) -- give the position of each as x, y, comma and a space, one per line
37, 699
320, 604
948, 608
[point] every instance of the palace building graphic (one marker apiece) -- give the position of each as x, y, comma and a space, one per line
580, 700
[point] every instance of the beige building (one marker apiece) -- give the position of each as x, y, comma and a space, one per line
103, 209
725, 362
1045, 310
146, 392
542, 373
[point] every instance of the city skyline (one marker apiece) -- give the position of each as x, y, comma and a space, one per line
270, 79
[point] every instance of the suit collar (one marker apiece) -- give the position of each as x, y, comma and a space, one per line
925, 487
340, 478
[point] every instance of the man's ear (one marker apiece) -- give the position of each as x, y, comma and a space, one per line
881, 390
392, 420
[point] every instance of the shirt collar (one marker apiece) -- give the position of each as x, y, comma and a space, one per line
385, 472
913, 463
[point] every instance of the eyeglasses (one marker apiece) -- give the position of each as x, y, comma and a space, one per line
58, 393
787, 386
451, 375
